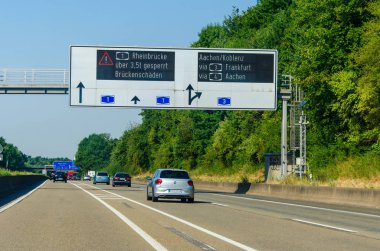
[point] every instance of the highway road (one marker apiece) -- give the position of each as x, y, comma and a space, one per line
81, 216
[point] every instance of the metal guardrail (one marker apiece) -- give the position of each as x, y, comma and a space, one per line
34, 81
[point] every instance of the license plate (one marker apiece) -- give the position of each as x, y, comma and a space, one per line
122, 179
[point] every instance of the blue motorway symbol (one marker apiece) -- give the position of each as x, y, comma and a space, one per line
107, 99
163, 100
224, 101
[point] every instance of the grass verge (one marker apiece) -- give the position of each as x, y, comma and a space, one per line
5, 172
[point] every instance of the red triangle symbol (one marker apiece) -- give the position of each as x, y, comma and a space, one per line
106, 60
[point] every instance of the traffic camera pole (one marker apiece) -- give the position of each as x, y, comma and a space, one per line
285, 95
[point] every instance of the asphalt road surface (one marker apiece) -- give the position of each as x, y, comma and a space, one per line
81, 216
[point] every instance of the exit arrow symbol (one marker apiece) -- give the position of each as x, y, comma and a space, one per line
197, 94
135, 99
80, 86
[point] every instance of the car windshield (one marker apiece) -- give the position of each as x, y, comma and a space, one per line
174, 174
122, 175
102, 174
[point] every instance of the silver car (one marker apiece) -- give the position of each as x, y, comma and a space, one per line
170, 184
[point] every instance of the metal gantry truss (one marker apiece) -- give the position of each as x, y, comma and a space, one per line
34, 81
297, 127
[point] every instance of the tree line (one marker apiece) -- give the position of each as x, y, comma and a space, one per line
15, 159
329, 47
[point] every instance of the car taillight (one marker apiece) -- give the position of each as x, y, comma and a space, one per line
128, 179
116, 178
190, 182
158, 181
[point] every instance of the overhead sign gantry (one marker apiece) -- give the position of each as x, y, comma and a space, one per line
140, 77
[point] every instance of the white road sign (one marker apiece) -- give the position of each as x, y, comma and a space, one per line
139, 77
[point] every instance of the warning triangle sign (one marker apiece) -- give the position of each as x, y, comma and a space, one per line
106, 60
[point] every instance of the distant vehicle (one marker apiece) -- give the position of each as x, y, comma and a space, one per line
170, 184
51, 174
91, 174
60, 176
75, 176
70, 175
86, 178
101, 177
121, 178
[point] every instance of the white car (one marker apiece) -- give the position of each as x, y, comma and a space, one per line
86, 178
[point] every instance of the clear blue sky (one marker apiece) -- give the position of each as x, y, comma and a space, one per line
37, 34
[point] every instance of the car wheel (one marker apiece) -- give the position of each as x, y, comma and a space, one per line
190, 200
65, 181
147, 195
154, 198
53, 180
183, 200
129, 185
113, 185
94, 183
108, 183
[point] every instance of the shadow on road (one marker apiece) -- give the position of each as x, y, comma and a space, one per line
21, 192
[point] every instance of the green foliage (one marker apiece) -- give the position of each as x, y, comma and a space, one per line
367, 59
94, 152
13, 158
5, 172
332, 50
242, 139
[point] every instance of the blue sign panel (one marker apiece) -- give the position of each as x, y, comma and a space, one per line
64, 165
224, 101
163, 100
75, 168
108, 99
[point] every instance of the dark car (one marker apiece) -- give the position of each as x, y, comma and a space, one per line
60, 176
121, 179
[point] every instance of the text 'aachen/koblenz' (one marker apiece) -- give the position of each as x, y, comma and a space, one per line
221, 57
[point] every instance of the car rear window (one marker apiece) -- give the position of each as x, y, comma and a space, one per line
122, 175
170, 174
102, 174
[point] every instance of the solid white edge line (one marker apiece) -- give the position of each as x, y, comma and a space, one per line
326, 226
11, 204
220, 237
156, 245
297, 205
